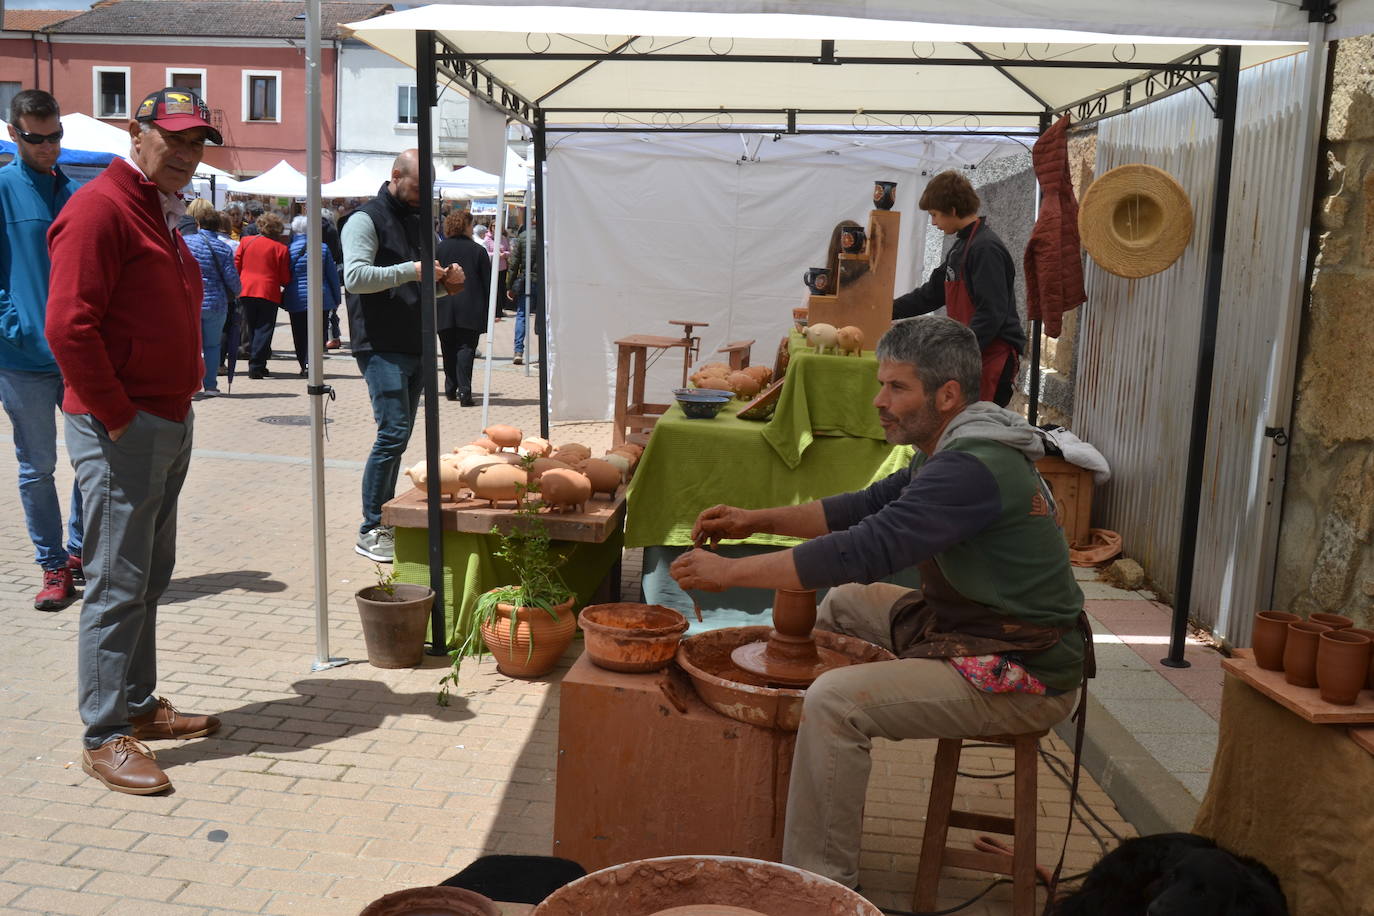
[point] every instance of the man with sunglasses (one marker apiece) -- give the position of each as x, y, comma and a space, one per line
32, 191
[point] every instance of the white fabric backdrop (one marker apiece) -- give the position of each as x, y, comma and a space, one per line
644, 229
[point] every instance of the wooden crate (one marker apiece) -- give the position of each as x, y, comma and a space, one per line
1073, 491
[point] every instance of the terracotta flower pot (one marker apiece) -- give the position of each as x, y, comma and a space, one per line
1268, 637
539, 642
394, 624
1300, 653
1342, 665
1334, 621
1369, 682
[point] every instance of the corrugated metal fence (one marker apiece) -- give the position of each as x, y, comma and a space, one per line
1139, 340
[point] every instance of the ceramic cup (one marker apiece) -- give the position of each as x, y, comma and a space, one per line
817, 280
852, 239
1369, 681
1300, 653
1342, 666
884, 194
1334, 621
1269, 636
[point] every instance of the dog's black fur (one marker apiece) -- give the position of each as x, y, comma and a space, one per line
1176, 874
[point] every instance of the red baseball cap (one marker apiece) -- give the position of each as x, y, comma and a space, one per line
175, 109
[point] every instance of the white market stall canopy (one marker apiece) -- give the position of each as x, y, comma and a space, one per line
281, 180
889, 66
362, 180
473, 182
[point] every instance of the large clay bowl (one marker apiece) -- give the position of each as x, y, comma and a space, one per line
651, 886
631, 637
432, 901
744, 696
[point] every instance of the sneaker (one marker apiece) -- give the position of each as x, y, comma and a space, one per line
518, 361
58, 591
378, 545
75, 568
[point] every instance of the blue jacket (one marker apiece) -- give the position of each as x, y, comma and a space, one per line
218, 276
29, 202
293, 295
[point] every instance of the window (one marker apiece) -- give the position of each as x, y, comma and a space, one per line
7, 93
187, 79
262, 95
407, 105
111, 92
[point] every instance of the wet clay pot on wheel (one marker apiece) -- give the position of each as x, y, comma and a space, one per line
1334, 621
394, 624
1342, 666
1300, 653
1268, 637
549, 638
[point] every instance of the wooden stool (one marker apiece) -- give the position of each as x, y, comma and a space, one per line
693, 345
940, 816
738, 353
632, 413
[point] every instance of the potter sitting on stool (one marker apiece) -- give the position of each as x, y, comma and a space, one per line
988, 646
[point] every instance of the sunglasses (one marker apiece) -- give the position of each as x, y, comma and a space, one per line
35, 139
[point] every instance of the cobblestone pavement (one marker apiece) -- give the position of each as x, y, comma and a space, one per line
325, 790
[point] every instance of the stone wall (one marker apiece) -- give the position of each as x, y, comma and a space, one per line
1325, 561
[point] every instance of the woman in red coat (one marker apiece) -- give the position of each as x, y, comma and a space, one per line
264, 267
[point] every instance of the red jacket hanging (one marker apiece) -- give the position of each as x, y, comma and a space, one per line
1053, 262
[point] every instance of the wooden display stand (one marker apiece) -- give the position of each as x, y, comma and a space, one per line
1305, 701
1072, 487
866, 301
593, 525
643, 773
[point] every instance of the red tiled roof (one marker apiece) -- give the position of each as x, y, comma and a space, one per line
33, 20
217, 18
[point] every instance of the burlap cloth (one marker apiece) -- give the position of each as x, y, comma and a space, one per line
1298, 797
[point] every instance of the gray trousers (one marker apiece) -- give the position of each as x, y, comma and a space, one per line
129, 490
847, 707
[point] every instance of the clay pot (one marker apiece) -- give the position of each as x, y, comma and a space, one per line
1342, 666
631, 637
605, 477
571, 453
1268, 637
1300, 653
1369, 681
498, 482
884, 194
762, 374
744, 385
394, 623
708, 909
432, 901
450, 482
539, 642
794, 612
821, 337
487, 444
563, 489
540, 448
504, 436
1334, 621
850, 340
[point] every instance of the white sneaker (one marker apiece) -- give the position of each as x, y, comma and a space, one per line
378, 545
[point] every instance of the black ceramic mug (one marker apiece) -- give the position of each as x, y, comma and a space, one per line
852, 239
817, 280
884, 194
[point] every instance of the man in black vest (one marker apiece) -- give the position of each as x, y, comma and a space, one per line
381, 246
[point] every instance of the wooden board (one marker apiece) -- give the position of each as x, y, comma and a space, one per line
1305, 701
865, 302
474, 516
1364, 737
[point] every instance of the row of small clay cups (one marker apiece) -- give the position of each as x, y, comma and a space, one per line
1307, 650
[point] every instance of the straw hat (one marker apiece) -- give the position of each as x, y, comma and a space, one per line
1135, 220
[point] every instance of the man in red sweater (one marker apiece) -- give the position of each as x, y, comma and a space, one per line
124, 325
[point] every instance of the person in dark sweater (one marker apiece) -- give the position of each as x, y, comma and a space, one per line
463, 315
988, 645
975, 284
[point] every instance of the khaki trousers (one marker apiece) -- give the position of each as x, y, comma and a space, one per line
847, 707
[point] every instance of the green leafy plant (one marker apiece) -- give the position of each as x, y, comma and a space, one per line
386, 580
527, 549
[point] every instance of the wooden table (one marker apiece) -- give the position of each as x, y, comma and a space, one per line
632, 412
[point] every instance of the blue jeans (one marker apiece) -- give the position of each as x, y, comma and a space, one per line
211, 324
32, 400
520, 307
394, 382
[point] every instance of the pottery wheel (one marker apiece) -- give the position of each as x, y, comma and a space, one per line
755, 658
707, 909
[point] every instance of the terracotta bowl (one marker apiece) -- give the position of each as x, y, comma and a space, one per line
432, 901
631, 637
651, 886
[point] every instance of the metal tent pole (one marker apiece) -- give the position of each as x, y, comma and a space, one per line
540, 227
429, 360
1228, 84
315, 335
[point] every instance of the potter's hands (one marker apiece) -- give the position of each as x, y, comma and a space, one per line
720, 522
701, 570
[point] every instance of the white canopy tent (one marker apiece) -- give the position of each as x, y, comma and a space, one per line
473, 182
281, 180
362, 180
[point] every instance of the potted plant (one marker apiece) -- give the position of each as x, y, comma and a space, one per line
394, 617
526, 626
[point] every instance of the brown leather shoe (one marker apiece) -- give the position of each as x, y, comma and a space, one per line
125, 765
166, 722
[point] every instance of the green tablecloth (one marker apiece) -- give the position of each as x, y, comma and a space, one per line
824, 396
470, 569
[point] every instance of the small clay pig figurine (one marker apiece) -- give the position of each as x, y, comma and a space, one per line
571, 453
534, 445
744, 385
498, 482
504, 436
450, 483
821, 336
563, 489
605, 477
850, 340
762, 374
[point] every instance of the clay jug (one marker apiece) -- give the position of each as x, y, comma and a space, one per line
1269, 636
1334, 621
1369, 682
1342, 666
564, 489
1300, 653
504, 436
498, 482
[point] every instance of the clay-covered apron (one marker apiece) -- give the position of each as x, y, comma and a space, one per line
959, 306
